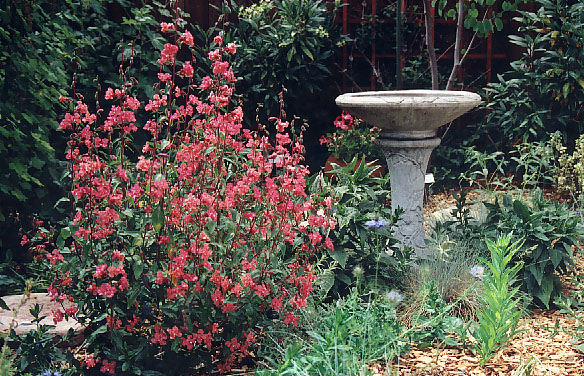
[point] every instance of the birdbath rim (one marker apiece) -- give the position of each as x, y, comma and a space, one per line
402, 111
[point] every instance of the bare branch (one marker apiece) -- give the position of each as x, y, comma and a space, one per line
429, 18
457, 59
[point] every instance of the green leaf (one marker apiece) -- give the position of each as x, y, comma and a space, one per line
344, 278
157, 218
307, 52
138, 268
557, 256
290, 54
537, 273
544, 293
340, 256
65, 233
566, 90
521, 210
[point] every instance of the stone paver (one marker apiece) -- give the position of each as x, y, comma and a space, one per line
21, 318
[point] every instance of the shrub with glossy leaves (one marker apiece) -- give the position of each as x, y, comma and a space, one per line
543, 92
176, 257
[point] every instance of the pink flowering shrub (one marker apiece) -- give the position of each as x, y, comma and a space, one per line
177, 254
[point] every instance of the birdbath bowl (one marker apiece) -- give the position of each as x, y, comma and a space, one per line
408, 120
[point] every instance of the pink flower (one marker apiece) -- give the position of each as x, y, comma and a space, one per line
166, 27
174, 332
232, 48
108, 367
206, 83
71, 311
187, 70
168, 54
290, 318
217, 297
160, 278
164, 77
58, 316
220, 67
218, 39
214, 55
55, 256
233, 345
106, 289
90, 361
187, 38
276, 304
159, 336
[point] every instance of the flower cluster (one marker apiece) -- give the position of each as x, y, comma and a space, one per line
189, 245
351, 138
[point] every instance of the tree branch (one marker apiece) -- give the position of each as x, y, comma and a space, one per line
457, 48
429, 18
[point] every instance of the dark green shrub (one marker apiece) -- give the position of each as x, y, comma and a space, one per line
549, 230
543, 92
37, 350
45, 44
283, 45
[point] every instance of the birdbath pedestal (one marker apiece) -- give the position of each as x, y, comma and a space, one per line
408, 120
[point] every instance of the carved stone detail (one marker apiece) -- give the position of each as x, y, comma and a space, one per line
407, 161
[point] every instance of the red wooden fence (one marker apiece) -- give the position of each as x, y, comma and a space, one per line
481, 61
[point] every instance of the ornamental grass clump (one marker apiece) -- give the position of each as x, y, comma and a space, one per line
180, 253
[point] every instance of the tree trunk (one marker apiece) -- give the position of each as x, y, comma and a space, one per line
429, 18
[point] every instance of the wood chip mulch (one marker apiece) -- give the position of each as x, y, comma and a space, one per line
551, 351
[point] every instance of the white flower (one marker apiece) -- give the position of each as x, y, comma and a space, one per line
394, 296
358, 271
478, 271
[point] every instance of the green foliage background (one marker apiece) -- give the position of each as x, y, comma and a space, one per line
52, 48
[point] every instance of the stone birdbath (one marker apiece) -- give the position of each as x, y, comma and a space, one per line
408, 120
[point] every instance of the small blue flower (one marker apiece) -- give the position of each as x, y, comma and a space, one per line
394, 296
376, 223
49, 373
478, 271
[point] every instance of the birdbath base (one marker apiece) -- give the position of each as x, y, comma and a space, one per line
407, 161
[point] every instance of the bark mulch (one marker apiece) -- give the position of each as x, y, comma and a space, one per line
549, 350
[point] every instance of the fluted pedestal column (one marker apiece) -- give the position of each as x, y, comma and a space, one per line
407, 161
